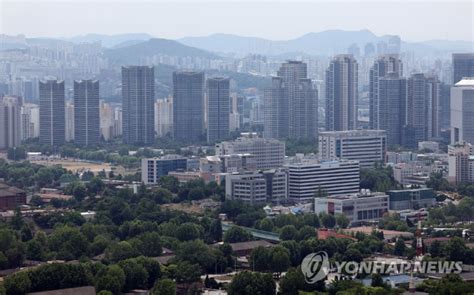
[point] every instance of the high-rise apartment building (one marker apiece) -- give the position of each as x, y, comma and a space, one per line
188, 106
460, 163
341, 93
52, 112
366, 146
69, 118
218, 108
86, 113
384, 64
10, 122
463, 66
29, 121
291, 104
462, 111
163, 116
392, 92
423, 110
138, 97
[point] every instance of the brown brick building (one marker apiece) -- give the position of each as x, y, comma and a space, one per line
11, 197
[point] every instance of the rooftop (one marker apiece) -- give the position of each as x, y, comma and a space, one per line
466, 81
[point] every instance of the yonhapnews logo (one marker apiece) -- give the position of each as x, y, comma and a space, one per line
316, 266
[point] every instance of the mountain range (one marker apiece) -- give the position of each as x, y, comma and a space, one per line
323, 43
128, 48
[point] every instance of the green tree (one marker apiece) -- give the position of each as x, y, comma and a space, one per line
251, 283
120, 251
260, 259
280, 259
18, 283
399, 248
187, 272
237, 234
164, 287
148, 244
189, 231
112, 280
342, 221
288, 232
68, 242
215, 230
328, 220
136, 276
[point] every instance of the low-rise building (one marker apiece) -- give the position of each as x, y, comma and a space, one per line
306, 176
258, 186
269, 153
366, 146
358, 208
11, 197
154, 168
429, 145
411, 199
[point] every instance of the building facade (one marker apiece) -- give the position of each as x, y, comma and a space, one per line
10, 122
342, 93
385, 64
154, 168
269, 153
164, 117
392, 91
257, 187
358, 208
462, 111
188, 106
423, 110
291, 104
369, 147
411, 199
138, 98
218, 108
307, 177
463, 66
86, 113
52, 113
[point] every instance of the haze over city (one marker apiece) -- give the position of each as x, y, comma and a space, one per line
276, 20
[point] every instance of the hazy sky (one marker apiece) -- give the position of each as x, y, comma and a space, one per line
412, 20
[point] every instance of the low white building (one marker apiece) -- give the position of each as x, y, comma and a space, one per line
359, 207
366, 146
307, 176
